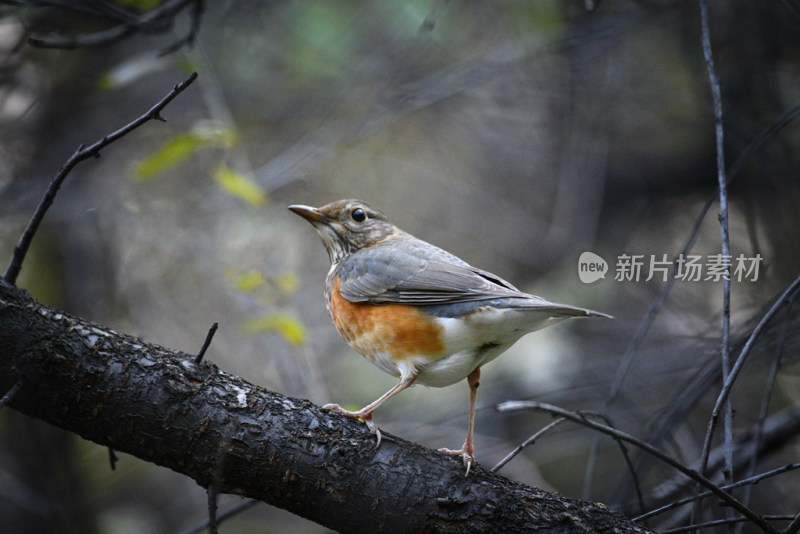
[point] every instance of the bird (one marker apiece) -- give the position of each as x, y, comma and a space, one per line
417, 311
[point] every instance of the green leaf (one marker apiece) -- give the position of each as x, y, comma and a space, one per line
286, 282
292, 330
174, 151
179, 147
249, 281
239, 186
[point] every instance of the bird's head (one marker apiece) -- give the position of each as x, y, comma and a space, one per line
347, 226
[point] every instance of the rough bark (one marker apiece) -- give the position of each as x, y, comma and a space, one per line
158, 405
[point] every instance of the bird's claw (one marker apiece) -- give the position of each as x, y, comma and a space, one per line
367, 418
466, 456
335, 408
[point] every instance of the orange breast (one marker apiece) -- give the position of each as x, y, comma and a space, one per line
397, 329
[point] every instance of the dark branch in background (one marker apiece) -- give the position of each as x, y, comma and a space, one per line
793, 527
579, 418
21, 249
212, 508
716, 97
239, 508
787, 295
112, 458
706, 377
10, 393
188, 39
768, 388
122, 22
158, 405
728, 521
530, 441
633, 347
755, 145
748, 482
83, 152
780, 430
433, 14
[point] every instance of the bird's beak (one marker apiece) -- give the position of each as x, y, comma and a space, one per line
312, 215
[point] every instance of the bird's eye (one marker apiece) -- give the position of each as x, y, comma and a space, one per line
359, 215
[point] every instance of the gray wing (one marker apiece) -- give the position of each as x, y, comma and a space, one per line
415, 272
418, 273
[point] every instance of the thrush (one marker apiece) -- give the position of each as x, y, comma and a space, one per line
417, 311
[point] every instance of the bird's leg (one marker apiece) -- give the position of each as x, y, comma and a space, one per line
365, 413
466, 450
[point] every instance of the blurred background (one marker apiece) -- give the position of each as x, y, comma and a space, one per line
515, 134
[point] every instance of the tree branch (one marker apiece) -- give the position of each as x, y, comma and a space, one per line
581, 419
124, 23
160, 406
726, 253
82, 153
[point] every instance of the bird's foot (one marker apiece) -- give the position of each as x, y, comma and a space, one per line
466, 456
360, 414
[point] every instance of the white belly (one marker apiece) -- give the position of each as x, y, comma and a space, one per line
469, 343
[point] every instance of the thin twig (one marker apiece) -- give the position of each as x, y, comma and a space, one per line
527, 442
779, 429
749, 482
793, 527
112, 459
81, 154
194, 28
761, 139
10, 393
249, 503
726, 388
100, 37
158, 19
728, 499
762, 416
212, 508
716, 97
718, 522
206, 343
625, 456
634, 476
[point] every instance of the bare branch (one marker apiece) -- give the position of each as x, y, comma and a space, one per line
779, 430
530, 441
730, 379
691, 473
124, 23
718, 522
726, 253
206, 343
212, 508
82, 153
765, 401
749, 482
239, 508
794, 526
10, 393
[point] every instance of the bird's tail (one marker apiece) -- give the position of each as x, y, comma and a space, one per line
532, 302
